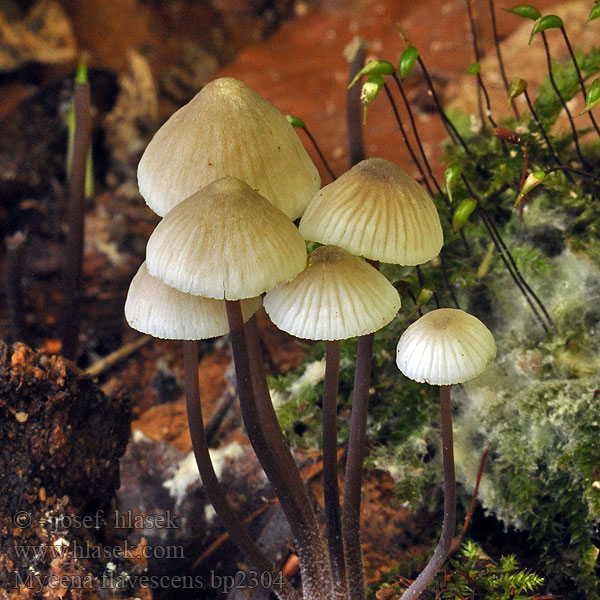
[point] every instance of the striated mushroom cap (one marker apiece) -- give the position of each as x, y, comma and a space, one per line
155, 308
445, 346
225, 242
227, 129
337, 296
378, 211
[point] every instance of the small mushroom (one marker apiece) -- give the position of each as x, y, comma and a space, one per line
337, 296
225, 241
444, 347
378, 211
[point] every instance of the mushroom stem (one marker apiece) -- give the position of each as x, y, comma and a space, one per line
441, 551
354, 464
211, 484
330, 474
275, 457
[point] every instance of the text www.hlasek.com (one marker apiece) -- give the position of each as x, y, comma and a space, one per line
63, 549
122, 581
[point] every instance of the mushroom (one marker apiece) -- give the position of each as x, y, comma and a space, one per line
228, 242
225, 241
378, 211
153, 307
227, 129
444, 347
336, 297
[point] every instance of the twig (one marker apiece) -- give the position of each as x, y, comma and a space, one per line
456, 542
114, 358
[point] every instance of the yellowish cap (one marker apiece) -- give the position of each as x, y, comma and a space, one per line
378, 211
225, 242
227, 129
337, 296
155, 308
445, 346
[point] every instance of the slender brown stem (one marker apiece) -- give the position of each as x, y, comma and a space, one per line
330, 475
509, 261
510, 265
73, 267
441, 551
499, 56
480, 86
457, 541
562, 100
418, 139
318, 150
405, 138
210, 481
543, 132
354, 464
579, 77
353, 107
447, 281
422, 152
452, 132
265, 436
568, 170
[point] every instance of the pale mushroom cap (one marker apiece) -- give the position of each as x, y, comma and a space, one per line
378, 211
226, 242
445, 346
337, 296
227, 129
155, 308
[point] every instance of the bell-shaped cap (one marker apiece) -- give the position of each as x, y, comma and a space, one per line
337, 296
227, 129
378, 211
155, 308
445, 346
225, 242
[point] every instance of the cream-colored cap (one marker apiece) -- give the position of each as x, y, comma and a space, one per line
337, 296
226, 242
378, 211
445, 346
227, 129
155, 308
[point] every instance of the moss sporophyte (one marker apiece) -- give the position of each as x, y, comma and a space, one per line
229, 188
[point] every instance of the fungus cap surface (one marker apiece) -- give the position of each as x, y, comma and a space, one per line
378, 211
445, 346
337, 296
227, 129
163, 312
225, 242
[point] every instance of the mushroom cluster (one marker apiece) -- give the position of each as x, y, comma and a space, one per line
228, 175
